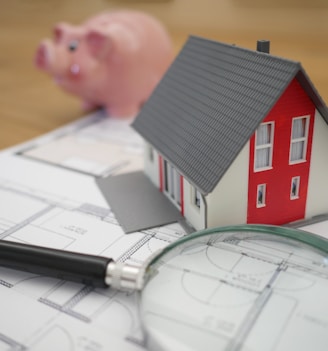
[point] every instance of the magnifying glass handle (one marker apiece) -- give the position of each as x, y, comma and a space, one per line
72, 266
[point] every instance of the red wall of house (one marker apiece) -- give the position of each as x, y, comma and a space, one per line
279, 208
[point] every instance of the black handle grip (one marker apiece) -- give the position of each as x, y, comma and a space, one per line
76, 267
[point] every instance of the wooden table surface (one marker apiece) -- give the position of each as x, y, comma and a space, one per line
31, 105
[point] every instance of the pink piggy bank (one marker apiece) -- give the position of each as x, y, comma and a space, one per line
113, 60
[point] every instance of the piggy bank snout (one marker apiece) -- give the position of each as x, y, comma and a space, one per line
42, 56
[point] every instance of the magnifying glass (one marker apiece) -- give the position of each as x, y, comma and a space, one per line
249, 287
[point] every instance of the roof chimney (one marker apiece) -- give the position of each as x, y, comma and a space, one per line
263, 46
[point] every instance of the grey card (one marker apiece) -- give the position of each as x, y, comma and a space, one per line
136, 202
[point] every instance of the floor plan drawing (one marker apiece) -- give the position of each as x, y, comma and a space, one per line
34, 219
48, 204
49, 197
243, 294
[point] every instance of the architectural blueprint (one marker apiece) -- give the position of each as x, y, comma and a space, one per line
242, 293
53, 201
49, 197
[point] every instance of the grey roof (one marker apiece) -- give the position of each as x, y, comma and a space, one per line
210, 102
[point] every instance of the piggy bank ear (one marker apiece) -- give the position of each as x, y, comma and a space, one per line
60, 30
98, 44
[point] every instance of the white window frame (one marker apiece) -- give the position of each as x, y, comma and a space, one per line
150, 153
297, 192
172, 184
264, 146
303, 139
195, 197
263, 202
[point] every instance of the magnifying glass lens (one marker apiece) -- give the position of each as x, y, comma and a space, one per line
238, 289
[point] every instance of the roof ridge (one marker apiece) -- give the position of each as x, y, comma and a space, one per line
243, 49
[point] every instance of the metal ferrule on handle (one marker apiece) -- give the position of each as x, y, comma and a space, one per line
122, 276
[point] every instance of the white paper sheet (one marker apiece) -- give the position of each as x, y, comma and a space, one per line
48, 197
53, 201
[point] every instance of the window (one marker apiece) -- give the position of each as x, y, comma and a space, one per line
299, 139
295, 188
261, 195
150, 150
263, 146
195, 197
172, 184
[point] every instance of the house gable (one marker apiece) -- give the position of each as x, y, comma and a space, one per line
278, 206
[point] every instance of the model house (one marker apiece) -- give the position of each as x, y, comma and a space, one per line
237, 136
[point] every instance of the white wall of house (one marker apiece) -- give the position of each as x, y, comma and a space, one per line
227, 204
194, 215
151, 164
317, 199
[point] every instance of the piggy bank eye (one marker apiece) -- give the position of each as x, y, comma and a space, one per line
73, 45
